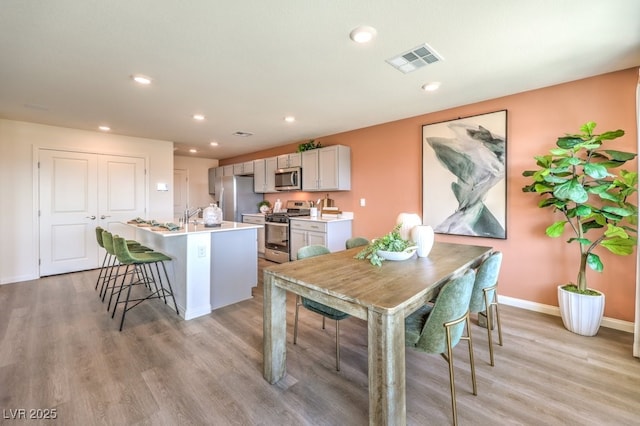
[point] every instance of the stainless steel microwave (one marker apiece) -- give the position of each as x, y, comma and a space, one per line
288, 179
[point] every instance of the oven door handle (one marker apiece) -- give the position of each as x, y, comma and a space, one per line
276, 224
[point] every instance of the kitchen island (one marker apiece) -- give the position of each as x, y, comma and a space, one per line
210, 267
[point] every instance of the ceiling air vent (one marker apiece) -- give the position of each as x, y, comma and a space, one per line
415, 58
243, 134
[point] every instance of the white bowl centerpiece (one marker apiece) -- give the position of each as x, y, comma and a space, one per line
397, 255
390, 247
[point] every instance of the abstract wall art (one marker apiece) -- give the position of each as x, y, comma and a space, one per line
463, 175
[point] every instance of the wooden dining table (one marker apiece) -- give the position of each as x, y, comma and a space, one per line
382, 296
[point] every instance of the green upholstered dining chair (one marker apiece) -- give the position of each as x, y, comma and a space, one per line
356, 242
439, 327
485, 296
318, 308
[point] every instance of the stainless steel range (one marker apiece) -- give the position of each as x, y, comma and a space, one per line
276, 228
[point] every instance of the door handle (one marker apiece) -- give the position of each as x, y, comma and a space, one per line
92, 217
104, 217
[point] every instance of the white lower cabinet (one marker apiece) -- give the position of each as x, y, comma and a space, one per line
256, 219
331, 234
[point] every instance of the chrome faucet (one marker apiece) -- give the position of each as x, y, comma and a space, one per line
188, 214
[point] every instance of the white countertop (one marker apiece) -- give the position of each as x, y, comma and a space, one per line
199, 228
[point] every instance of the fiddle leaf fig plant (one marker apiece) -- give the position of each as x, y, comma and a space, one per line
578, 180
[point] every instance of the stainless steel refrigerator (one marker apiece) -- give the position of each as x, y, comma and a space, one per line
237, 197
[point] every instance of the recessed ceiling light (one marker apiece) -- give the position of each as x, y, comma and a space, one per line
193, 151
104, 128
141, 79
198, 117
213, 143
430, 87
363, 34
290, 119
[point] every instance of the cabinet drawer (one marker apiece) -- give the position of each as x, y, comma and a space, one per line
253, 219
307, 225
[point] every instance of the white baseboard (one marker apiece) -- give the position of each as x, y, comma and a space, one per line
616, 324
17, 279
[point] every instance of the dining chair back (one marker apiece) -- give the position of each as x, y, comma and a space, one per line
438, 328
356, 242
484, 297
319, 308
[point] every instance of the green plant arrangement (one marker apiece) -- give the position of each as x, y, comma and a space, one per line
312, 144
264, 203
577, 179
390, 242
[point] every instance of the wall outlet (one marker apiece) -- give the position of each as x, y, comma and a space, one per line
202, 251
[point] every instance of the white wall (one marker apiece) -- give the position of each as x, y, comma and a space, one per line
18, 197
198, 169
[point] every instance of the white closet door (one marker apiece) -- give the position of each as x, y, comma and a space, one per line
68, 211
79, 191
121, 193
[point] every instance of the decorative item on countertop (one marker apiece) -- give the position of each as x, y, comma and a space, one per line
325, 202
330, 213
312, 144
170, 226
277, 207
376, 251
407, 221
264, 206
423, 236
212, 216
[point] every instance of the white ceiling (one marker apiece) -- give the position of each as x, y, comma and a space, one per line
247, 64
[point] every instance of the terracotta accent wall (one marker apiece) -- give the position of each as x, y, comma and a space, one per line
386, 163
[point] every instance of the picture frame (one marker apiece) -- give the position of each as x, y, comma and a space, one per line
464, 164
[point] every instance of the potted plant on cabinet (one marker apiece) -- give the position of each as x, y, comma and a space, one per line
578, 180
264, 206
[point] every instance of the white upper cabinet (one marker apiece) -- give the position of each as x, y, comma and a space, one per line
289, 160
327, 169
227, 170
270, 166
259, 183
264, 175
245, 168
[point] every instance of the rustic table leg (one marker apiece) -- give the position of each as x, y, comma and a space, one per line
387, 393
275, 330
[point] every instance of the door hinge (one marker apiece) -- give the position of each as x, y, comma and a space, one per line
38, 213
38, 164
39, 262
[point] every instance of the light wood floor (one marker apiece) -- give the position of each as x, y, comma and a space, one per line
59, 349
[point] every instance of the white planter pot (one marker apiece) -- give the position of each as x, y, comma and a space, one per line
423, 236
407, 222
581, 314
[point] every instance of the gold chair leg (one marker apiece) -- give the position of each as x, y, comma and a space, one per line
492, 308
471, 360
452, 386
495, 296
449, 358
